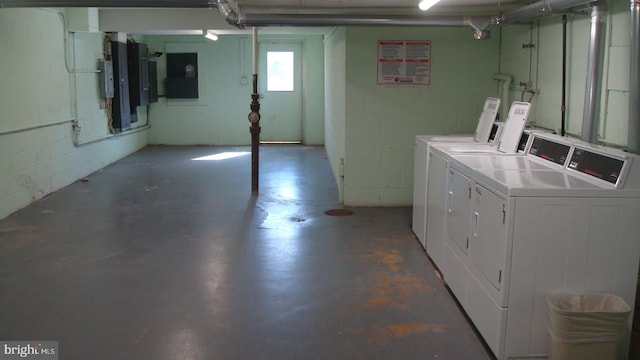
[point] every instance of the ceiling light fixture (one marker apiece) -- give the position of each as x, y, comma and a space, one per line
425, 5
209, 34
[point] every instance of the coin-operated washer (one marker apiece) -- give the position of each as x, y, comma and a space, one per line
437, 175
547, 152
536, 231
485, 133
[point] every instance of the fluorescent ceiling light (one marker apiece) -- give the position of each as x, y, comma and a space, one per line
424, 5
209, 34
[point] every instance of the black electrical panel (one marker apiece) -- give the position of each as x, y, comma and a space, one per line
120, 109
153, 82
138, 75
182, 76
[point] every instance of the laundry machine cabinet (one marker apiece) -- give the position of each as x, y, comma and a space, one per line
422, 143
538, 231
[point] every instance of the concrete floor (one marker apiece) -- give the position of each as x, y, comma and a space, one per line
160, 256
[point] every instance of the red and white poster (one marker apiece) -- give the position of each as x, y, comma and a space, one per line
404, 62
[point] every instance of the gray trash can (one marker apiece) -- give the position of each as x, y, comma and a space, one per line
586, 326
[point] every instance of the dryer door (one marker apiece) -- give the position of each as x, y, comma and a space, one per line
458, 208
489, 235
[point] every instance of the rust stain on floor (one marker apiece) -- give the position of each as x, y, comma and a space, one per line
406, 329
391, 258
395, 289
382, 335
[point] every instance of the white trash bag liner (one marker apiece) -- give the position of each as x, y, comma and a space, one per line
582, 318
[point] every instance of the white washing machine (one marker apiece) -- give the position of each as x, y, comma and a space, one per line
535, 231
449, 234
437, 170
485, 133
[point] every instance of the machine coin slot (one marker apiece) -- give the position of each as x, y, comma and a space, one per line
596, 165
549, 150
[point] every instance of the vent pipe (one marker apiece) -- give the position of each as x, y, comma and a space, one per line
542, 8
591, 112
633, 140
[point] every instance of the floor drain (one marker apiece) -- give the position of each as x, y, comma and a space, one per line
339, 212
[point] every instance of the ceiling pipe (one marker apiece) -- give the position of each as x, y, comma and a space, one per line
481, 25
595, 59
108, 3
542, 8
633, 136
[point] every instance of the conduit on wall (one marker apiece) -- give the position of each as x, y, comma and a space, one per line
506, 87
593, 91
633, 137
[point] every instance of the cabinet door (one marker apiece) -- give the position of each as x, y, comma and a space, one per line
458, 208
489, 239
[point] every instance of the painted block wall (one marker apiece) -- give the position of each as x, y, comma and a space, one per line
335, 106
219, 115
39, 99
541, 67
382, 121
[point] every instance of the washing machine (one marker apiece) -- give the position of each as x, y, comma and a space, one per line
535, 231
486, 132
449, 237
437, 170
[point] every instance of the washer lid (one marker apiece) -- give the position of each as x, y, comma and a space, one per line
513, 127
487, 118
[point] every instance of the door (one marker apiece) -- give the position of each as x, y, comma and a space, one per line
280, 86
458, 208
489, 231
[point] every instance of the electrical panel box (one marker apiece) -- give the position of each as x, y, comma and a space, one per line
138, 74
105, 79
182, 76
153, 82
121, 110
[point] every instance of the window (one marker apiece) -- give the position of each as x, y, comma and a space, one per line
280, 71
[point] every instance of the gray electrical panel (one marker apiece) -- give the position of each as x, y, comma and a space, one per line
106, 79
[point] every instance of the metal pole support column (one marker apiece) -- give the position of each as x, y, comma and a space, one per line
254, 119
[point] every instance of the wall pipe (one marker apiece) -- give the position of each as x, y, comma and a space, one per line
506, 88
595, 57
633, 136
563, 105
254, 118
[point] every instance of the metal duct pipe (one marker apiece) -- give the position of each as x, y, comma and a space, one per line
230, 16
593, 91
340, 20
633, 140
481, 25
108, 3
541, 8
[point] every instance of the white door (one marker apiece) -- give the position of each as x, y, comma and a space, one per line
459, 209
489, 231
280, 87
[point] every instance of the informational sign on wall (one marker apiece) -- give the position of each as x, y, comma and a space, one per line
404, 62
